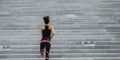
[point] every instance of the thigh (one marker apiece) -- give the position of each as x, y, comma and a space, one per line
48, 46
42, 45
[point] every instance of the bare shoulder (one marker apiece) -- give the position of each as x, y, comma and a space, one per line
51, 26
41, 27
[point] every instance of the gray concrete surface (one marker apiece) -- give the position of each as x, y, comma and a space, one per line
85, 29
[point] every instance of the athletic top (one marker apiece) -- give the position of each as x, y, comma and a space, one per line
46, 33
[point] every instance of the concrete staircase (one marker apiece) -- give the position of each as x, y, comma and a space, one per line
85, 29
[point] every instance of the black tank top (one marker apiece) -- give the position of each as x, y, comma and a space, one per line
46, 33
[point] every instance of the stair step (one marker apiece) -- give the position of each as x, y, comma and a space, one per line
61, 27
62, 50
62, 58
107, 43
61, 33
56, 22
82, 30
62, 46
68, 55
75, 35
62, 36
60, 39
63, 42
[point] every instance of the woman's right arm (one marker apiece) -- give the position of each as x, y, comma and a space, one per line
52, 31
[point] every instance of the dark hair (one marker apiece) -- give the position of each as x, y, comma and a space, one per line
46, 19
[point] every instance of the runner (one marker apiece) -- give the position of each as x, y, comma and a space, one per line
47, 32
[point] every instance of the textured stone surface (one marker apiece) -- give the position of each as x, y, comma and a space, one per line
85, 29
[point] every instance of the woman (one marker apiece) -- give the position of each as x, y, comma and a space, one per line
47, 32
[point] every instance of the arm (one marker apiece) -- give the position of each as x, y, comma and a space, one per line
41, 31
52, 31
